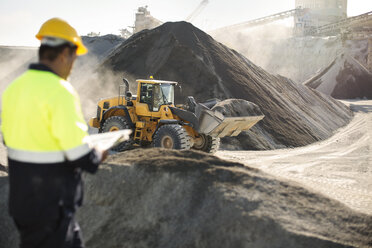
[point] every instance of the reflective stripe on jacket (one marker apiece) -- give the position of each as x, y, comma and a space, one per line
42, 121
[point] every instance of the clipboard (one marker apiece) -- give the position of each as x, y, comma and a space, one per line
105, 141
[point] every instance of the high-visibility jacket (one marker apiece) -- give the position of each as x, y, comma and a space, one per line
42, 120
43, 129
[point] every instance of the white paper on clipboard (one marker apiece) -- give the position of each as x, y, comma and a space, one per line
105, 141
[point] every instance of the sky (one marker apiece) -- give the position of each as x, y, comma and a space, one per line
20, 20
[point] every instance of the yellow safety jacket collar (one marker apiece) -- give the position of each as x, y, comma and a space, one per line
40, 67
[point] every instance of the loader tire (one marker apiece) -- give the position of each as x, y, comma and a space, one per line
172, 136
206, 143
115, 123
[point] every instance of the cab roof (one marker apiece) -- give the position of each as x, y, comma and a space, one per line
152, 81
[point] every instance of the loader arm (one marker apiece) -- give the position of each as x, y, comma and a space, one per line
214, 123
186, 116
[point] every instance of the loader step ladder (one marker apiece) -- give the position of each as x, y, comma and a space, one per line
138, 132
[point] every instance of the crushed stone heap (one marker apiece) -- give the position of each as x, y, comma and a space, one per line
101, 46
169, 198
344, 78
236, 108
295, 115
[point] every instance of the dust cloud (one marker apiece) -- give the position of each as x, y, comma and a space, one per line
93, 85
274, 48
13, 62
256, 43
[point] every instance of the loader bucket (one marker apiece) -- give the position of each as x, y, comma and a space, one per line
217, 125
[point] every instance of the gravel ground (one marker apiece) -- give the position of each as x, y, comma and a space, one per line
339, 167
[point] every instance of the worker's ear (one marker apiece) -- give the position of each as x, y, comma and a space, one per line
63, 56
68, 55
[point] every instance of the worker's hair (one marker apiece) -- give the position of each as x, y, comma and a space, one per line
51, 53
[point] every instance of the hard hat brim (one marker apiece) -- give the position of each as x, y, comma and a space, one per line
81, 49
59, 28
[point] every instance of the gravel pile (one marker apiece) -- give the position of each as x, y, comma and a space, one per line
344, 78
168, 198
295, 115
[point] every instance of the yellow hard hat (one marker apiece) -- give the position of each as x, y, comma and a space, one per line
59, 28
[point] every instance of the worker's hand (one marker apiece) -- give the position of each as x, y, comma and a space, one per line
101, 154
104, 155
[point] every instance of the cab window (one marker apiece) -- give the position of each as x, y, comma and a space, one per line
155, 95
146, 94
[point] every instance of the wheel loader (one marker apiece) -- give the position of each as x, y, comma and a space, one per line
156, 121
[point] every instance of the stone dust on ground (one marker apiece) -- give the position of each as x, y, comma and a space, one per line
169, 198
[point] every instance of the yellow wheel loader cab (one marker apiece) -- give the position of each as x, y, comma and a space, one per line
156, 121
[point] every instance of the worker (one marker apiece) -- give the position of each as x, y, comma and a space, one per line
43, 129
